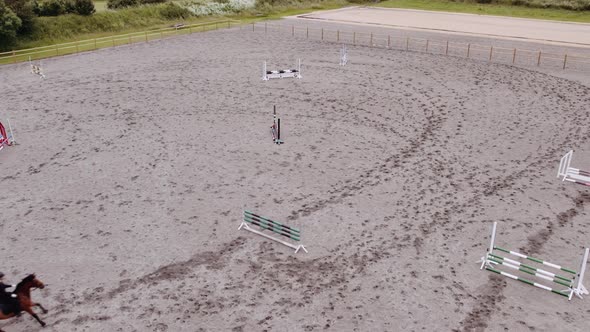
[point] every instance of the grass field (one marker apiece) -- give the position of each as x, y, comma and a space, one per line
490, 9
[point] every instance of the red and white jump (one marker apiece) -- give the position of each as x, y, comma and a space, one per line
6, 138
571, 174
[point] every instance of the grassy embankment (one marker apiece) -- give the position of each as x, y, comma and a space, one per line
69, 28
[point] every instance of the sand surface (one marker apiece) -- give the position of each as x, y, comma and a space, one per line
125, 191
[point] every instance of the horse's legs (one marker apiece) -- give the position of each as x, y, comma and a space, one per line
30, 311
40, 306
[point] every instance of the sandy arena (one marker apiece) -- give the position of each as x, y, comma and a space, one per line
134, 163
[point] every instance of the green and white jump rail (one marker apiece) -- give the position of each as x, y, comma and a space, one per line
267, 224
572, 281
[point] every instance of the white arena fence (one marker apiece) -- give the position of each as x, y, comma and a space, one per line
510, 56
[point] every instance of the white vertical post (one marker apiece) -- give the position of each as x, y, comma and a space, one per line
298, 68
580, 289
493, 238
11, 133
264, 77
484, 259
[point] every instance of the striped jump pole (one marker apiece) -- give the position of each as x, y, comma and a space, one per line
535, 272
519, 265
285, 73
563, 293
492, 261
536, 260
268, 224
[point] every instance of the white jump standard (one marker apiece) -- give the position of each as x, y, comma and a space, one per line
6, 137
571, 174
287, 73
36, 69
572, 281
275, 129
343, 56
265, 223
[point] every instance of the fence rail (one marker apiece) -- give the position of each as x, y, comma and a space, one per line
513, 56
96, 43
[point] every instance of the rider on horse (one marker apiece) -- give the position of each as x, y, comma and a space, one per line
8, 301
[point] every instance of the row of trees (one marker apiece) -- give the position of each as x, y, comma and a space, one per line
17, 17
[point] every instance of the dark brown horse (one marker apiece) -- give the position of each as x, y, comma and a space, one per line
23, 294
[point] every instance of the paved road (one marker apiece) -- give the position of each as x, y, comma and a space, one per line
570, 34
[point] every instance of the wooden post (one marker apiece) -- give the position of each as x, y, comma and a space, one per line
337, 35
426, 45
146, 37
407, 43
307, 32
388, 41
354, 38
514, 56
447, 49
14, 56
539, 59
322, 33
468, 50
564, 61
371, 40
253, 26
491, 50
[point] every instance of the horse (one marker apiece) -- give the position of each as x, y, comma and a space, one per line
23, 295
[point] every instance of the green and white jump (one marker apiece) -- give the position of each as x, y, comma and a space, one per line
572, 281
273, 226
